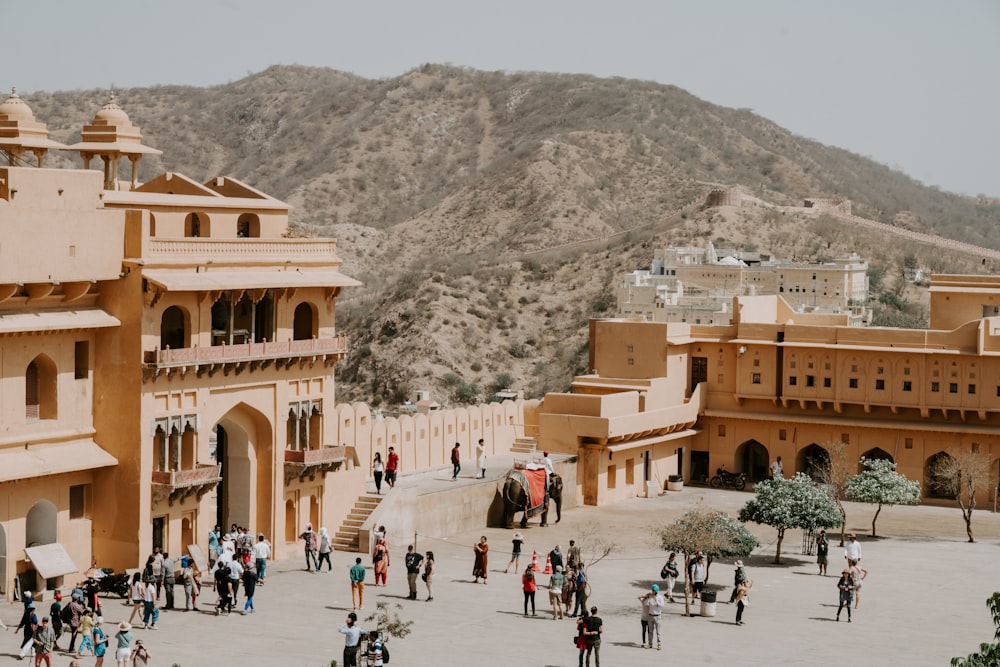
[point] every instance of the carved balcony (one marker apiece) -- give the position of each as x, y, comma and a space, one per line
177, 485
243, 356
312, 462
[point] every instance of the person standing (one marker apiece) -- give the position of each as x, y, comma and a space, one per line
852, 550
859, 573
235, 577
378, 468
352, 640
123, 642
739, 576
581, 635
595, 628
456, 462
158, 570
698, 577
556, 557
822, 552
374, 649
261, 554
168, 579
380, 559
43, 639
481, 459
189, 577
580, 594
429, 574
573, 556
654, 604
644, 620
777, 469
308, 538
528, 585
100, 642
325, 547
391, 468
742, 598
214, 536
672, 574
846, 587
515, 554
55, 613
412, 561
249, 588
358, 584
556, 582
481, 550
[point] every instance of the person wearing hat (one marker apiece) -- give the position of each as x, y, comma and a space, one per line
846, 587
739, 576
43, 639
742, 598
515, 554
55, 612
556, 583
653, 604
29, 622
123, 652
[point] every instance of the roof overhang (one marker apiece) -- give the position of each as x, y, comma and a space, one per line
52, 459
649, 441
188, 281
56, 320
51, 560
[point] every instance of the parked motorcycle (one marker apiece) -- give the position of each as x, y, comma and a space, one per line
735, 480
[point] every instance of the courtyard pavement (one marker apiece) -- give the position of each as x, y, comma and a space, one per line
922, 604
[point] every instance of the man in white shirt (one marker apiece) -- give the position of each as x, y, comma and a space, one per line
261, 552
777, 469
352, 642
852, 551
654, 603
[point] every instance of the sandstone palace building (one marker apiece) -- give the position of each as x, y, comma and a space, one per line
167, 364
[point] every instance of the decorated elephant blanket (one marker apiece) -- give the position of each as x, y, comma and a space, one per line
533, 482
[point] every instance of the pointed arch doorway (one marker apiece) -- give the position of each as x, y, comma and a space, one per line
244, 447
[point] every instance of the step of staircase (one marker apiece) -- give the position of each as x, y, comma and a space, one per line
347, 537
524, 445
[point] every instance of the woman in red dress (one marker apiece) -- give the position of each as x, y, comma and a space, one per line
479, 568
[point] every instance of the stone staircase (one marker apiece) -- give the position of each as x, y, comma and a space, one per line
524, 446
346, 538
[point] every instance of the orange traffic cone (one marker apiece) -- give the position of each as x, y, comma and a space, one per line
534, 561
548, 565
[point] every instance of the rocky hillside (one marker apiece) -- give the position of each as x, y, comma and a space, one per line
489, 214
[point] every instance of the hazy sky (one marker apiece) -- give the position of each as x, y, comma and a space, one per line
914, 84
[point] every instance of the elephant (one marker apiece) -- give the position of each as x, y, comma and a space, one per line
515, 500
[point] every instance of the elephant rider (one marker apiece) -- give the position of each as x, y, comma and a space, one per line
549, 470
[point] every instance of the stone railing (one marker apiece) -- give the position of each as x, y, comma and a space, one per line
244, 251
221, 354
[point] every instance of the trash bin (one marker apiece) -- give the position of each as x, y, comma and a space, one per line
708, 603
675, 483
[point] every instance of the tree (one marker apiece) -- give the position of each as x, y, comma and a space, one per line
989, 654
791, 503
712, 532
388, 622
958, 474
834, 472
880, 484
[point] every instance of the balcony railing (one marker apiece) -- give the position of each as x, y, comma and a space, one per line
162, 251
244, 352
175, 485
312, 462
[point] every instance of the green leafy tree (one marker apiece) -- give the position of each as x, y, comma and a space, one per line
988, 654
791, 503
712, 532
880, 484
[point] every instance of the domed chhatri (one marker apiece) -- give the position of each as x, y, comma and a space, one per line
21, 133
112, 136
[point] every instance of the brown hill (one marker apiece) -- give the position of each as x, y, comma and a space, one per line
445, 187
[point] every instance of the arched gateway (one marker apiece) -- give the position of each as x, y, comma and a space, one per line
244, 447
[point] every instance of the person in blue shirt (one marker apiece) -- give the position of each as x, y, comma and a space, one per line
352, 642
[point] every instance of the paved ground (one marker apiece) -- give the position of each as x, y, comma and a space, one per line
923, 602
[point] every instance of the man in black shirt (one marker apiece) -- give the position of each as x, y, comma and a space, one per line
412, 561
594, 626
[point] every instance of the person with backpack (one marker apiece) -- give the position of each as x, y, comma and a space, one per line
376, 652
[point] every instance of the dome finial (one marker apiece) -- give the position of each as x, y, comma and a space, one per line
13, 91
